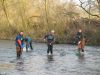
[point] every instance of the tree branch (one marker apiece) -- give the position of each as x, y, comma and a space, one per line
4, 9
81, 5
98, 1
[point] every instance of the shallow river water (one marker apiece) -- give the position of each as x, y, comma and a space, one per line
65, 60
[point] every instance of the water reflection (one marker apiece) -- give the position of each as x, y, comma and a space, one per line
20, 64
50, 58
81, 57
65, 61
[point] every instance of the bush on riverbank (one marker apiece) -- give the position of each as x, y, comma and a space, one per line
63, 35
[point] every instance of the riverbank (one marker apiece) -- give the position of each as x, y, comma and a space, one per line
66, 34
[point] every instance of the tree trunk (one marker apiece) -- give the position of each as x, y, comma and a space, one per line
4, 9
46, 11
98, 1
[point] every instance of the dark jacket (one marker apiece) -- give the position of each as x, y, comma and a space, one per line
79, 36
49, 38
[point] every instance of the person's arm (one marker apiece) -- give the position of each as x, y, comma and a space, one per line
53, 39
20, 43
81, 36
77, 38
45, 37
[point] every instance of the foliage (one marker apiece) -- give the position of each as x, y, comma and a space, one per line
38, 17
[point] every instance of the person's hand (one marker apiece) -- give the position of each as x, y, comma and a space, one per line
79, 42
44, 39
21, 46
50, 43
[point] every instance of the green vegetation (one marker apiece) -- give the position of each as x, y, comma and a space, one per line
37, 17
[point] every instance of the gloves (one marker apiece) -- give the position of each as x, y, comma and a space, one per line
50, 43
21, 46
79, 42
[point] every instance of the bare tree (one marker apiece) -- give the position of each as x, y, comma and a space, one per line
46, 10
98, 1
85, 9
5, 11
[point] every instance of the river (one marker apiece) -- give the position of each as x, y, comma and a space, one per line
65, 60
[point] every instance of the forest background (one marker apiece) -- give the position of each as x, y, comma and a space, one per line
38, 17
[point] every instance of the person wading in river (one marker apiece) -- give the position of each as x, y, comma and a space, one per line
19, 44
28, 41
50, 40
80, 40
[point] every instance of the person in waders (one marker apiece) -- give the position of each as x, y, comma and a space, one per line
28, 41
50, 41
80, 40
19, 44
